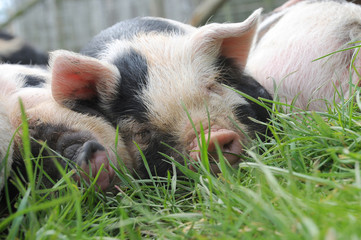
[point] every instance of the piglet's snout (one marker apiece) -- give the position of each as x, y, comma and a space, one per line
228, 141
93, 156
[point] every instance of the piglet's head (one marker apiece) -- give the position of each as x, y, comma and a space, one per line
160, 87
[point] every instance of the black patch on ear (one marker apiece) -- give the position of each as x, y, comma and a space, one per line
88, 107
133, 78
33, 81
232, 76
133, 70
127, 30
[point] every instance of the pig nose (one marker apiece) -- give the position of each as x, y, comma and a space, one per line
95, 155
89, 151
227, 140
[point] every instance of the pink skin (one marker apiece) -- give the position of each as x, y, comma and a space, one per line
107, 174
228, 141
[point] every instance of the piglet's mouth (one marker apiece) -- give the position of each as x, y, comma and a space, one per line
228, 141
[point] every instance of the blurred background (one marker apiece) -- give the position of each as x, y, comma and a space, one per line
70, 24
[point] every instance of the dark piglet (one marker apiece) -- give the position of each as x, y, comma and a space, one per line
14, 50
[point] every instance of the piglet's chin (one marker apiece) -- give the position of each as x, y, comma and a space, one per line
228, 141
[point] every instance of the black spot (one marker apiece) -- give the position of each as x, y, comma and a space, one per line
133, 71
232, 76
133, 78
65, 141
39, 134
57, 137
158, 164
155, 143
26, 55
88, 107
127, 30
33, 81
13, 193
6, 36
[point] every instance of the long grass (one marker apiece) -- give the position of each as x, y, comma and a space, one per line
303, 182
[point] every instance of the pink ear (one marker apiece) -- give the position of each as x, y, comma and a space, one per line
78, 77
231, 40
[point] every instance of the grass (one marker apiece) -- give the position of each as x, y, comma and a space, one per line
302, 183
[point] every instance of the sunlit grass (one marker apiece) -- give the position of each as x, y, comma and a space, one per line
303, 182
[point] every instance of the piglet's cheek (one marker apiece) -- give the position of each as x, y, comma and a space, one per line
30, 97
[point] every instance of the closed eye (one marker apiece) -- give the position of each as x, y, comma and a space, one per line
142, 137
214, 88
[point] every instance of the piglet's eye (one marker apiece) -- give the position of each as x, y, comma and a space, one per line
142, 137
214, 88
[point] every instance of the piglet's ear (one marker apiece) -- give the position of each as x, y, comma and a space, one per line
231, 40
76, 77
